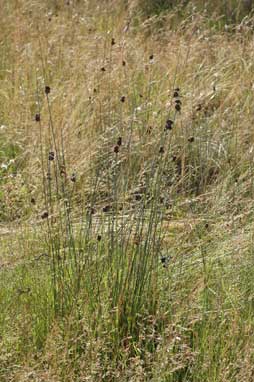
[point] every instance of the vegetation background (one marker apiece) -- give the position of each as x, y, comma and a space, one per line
127, 185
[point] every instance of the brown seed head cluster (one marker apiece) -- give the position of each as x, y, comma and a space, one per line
51, 156
107, 208
37, 117
116, 149
44, 215
169, 124
178, 103
73, 178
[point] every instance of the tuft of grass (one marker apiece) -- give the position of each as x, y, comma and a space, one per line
126, 192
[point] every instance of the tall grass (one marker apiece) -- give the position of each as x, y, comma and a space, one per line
133, 172
230, 11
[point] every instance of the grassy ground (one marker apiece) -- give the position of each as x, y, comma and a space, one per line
126, 199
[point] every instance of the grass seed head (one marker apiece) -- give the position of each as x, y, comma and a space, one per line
106, 208
169, 124
149, 130
44, 215
51, 155
37, 117
178, 107
116, 149
138, 197
73, 178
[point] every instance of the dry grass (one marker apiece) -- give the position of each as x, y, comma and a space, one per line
113, 74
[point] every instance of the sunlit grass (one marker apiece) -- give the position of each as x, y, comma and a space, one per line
126, 194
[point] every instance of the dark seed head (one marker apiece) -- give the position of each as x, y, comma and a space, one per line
116, 149
174, 158
103, 69
169, 124
51, 155
63, 173
99, 237
165, 260
123, 63
178, 107
191, 139
138, 197
119, 141
47, 89
37, 117
106, 208
33, 201
44, 215
178, 101
113, 41
176, 94
199, 107
90, 210
151, 57
177, 90
73, 178
161, 150
123, 99
149, 130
